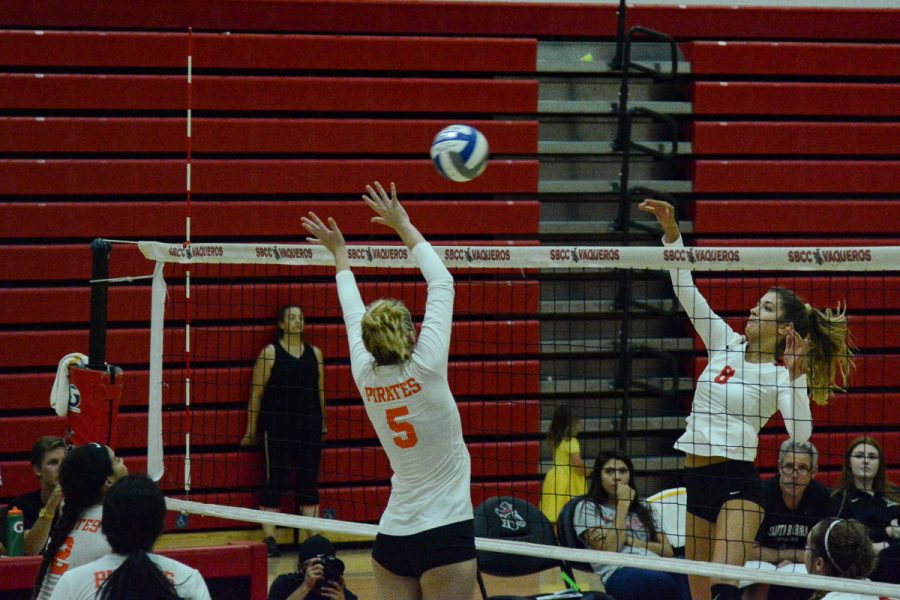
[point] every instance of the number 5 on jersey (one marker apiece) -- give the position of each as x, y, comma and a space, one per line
407, 437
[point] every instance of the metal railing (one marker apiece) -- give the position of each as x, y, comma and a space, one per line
623, 223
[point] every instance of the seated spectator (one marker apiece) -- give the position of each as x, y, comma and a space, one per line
134, 513
85, 475
39, 507
310, 581
840, 548
614, 519
865, 494
794, 503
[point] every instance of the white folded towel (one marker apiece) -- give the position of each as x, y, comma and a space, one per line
59, 395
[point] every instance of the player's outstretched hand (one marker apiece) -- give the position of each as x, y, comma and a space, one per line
329, 235
665, 215
390, 212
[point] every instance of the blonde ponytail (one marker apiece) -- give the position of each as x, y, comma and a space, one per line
831, 347
830, 352
387, 332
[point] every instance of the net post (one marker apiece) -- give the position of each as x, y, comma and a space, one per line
100, 250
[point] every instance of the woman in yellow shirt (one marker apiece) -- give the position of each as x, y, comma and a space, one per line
566, 478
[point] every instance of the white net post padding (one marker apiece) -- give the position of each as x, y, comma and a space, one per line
155, 468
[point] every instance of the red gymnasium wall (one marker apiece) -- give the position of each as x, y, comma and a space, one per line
799, 111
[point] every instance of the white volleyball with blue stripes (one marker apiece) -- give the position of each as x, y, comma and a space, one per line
460, 152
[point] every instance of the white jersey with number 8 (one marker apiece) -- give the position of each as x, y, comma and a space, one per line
413, 410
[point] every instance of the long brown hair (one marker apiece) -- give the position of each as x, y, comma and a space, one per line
830, 344
880, 483
638, 506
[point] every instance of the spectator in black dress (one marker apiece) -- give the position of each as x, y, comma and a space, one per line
287, 398
794, 503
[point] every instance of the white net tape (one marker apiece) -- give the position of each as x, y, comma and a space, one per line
670, 565
880, 258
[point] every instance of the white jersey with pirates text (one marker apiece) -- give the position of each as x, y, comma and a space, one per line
413, 410
83, 582
85, 543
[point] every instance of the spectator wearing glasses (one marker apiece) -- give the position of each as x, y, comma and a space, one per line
794, 503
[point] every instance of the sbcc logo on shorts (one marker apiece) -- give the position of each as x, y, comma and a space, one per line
509, 517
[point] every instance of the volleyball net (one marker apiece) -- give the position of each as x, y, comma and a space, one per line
535, 328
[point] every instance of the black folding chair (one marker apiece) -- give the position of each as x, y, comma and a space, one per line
514, 519
565, 531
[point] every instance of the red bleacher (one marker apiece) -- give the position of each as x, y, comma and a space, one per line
859, 293
411, 17
321, 176
796, 99
794, 138
70, 304
309, 94
130, 346
250, 135
759, 59
520, 377
854, 409
345, 423
268, 52
799, 177
849, 216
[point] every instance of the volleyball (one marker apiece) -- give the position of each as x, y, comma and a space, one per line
459, 152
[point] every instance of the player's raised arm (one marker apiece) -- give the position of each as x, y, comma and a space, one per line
392, 214
328, 235
665, 215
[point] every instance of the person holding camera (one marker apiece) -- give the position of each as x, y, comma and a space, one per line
319, 575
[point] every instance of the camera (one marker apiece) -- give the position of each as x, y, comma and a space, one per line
334, 568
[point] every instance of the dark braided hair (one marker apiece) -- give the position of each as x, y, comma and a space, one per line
845, 548
134, 512
82, 476
638, 506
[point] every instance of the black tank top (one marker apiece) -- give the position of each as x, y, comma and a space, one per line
291, 399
